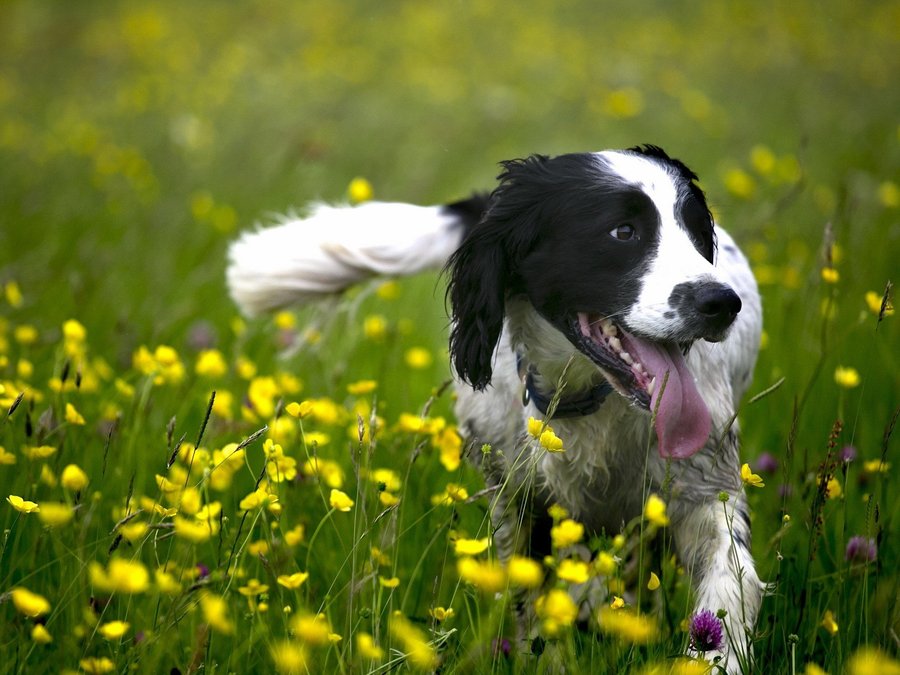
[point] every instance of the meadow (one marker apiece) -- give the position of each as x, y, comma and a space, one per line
186, 490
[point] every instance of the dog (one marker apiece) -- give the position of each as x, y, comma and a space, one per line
590, 290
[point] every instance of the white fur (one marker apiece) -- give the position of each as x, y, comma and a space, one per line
335, 247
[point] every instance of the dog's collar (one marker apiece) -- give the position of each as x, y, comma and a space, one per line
578, 405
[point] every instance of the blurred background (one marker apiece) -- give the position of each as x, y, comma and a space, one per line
137, 139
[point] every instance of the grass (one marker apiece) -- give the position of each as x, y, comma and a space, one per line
136, 141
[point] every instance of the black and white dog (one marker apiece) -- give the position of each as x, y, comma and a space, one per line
593, 287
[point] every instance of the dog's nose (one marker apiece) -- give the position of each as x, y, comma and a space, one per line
707, 308
717, 302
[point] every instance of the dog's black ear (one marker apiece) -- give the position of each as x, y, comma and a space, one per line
483, 269
477, 291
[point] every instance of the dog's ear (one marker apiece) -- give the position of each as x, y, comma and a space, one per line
483, 270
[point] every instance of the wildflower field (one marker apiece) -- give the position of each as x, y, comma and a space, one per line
185, 490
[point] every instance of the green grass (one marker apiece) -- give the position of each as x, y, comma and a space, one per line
136, 140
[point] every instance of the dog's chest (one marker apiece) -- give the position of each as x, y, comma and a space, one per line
599, 476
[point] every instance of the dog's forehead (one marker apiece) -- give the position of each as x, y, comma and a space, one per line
645, 173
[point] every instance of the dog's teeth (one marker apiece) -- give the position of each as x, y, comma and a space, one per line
608, 327
626, 357
651, 386
638, 368
615, 343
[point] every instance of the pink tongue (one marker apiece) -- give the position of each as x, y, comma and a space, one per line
682, 419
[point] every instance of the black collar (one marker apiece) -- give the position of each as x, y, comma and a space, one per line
578, 405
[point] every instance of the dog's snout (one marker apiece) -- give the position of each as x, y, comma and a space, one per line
717, 302
706, 308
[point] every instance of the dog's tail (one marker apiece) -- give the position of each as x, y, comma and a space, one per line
304, 259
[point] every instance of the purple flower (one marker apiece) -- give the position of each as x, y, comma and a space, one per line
766, 462
501, 647
203, 570
861, 550
847, 454
706, 632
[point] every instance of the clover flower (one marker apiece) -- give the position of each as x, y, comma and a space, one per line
861, 550
706, 632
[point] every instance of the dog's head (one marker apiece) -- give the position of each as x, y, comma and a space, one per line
613, 249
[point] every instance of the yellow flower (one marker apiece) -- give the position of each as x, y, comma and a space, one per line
360, 190
876, 466
294, 536
573, 571
815, 669
195, 531
73, 478
253, 588
312, 628
471, 546
340, 501
35, 452
73, 416
114, 629
524, 572
535, 427
375, 327
739, 183
393, 582
449, 445
289, 657
55, 514
869, 660
874, 300
388, 290
557, 512
121, 576
653, 583
830, 275
285, 320
362, 387
6, 457
627, 626
23, 505
365, 645
215, 613
655, 511
13, 294
40, 634
211, 363
749, 478
487, 576
418, 358
292, 581
617, 602
550, 441
167, 583
829, 623
605, 564
566, 533
833, 490
441, 613
96, 665
326, 470
73, 331
556, 610
28, 603
419, 652
848, 378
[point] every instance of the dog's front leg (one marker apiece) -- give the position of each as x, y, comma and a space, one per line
713, 538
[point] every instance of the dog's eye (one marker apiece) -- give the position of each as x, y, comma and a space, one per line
624, 232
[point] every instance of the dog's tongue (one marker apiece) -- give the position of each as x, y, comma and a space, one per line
682, 419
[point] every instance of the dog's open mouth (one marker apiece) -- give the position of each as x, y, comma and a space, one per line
653, 375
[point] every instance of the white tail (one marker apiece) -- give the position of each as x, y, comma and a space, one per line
335, 247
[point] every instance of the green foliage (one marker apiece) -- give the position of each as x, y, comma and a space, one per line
137, 139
